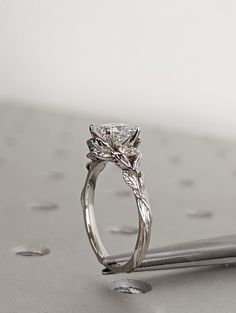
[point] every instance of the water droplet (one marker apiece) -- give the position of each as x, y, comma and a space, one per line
123, 230
43, 206
131, 286
199, 213
31, 250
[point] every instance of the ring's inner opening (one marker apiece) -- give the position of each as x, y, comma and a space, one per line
116, 211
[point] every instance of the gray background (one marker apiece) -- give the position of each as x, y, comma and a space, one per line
42, 159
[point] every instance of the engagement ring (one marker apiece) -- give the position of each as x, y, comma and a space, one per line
116, 143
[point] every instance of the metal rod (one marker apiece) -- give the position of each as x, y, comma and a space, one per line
205, 252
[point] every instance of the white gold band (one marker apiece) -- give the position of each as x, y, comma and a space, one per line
120, 147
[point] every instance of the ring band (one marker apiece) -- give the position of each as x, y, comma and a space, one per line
116, 143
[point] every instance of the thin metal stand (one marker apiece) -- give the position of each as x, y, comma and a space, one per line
206, 252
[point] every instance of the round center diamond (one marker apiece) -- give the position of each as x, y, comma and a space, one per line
117, 132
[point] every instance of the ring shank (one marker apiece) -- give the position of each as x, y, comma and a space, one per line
143, 238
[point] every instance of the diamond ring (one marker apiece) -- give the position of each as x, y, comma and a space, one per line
116, 143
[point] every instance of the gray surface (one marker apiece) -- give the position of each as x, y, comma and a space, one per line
184, 173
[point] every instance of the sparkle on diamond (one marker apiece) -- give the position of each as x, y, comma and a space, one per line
117, 132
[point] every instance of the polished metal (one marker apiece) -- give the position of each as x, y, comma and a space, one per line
116, 143
206, 252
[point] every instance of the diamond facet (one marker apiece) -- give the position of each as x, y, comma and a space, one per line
118, 133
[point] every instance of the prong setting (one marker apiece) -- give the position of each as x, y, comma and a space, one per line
115, 142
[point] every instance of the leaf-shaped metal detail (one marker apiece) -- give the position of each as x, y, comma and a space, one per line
145, 212
93, 131
131, 179
136, 160
99, 148
121, 159
110, 147
141, 180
